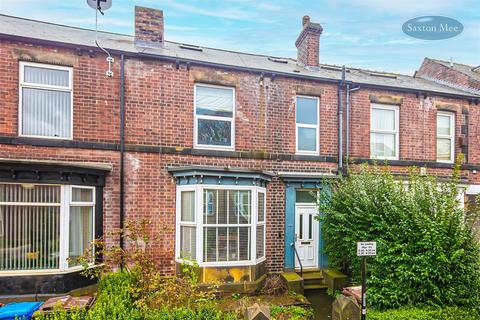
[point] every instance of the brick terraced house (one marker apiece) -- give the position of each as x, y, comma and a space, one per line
219, 150
456, 75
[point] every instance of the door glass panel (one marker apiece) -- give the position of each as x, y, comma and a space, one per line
300, 234
305, 196
310, 227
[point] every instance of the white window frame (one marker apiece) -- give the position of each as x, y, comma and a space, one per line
262, 223
80, 204
181, 223
196, 117
396, 132
23, 84
64, 237
309, 126
451, 136
200, 224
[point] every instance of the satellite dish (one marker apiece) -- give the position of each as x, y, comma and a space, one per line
100, 4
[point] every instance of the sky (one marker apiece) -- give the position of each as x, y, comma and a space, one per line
356, 33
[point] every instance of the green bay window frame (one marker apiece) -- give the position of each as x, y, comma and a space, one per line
200, 223
15, 228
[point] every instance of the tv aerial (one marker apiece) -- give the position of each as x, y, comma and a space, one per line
101, 6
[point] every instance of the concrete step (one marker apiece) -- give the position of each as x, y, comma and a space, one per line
313, 281
312, 277
315, 286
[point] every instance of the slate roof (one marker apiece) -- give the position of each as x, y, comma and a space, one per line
54, 33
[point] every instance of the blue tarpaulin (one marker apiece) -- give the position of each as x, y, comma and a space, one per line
19, 310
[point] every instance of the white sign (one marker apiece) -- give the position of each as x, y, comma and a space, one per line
365, 249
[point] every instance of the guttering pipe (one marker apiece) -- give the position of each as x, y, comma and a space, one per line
347, 125
347, 121
122, 149
340, 122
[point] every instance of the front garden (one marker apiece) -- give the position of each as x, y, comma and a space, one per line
139, 291
427, 264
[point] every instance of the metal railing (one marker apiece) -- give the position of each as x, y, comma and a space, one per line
298, 258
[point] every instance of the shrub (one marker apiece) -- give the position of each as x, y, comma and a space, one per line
139, 291
448, 313
117, 299
427, 254
291, 312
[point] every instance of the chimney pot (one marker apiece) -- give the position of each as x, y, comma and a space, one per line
305, 20
149, 27
308, 44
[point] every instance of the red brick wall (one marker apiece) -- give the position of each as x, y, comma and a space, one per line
148, 24
159, 112
433, 70
417, 121
95, 97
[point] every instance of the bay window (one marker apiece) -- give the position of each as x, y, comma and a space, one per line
445, 137
45, 95
214, 117
220, 225
384, 140
44, 227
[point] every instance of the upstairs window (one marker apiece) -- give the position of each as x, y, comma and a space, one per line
307, 120
384, 132
445, 137
45, 95
214, 117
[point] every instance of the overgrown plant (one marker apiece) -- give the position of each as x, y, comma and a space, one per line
150, 288
426, 248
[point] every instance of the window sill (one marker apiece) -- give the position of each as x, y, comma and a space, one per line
222, 264
44, 271
306, 153
383, 158
44, 137
215, 148
446, 161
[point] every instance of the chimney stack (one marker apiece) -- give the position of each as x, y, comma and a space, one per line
148, 27
308, 44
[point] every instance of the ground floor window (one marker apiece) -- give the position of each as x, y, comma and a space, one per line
221, 225
45, 227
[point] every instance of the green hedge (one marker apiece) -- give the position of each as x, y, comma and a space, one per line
449, 313
427, 254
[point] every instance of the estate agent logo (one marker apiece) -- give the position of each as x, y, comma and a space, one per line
432, 28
